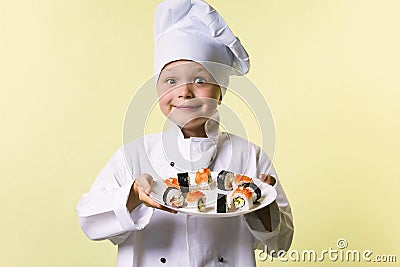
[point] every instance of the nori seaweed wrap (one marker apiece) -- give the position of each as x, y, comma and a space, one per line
173, 197
224, 180
221, 203
184, 181
255, 188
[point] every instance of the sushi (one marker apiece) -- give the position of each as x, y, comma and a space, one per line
255, 188
184, 181
225, 180
172, 182
242, 198
241, 179
198, 198
221, 204
203, 178
173, 197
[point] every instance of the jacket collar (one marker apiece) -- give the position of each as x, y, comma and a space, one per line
177, 149
211, 127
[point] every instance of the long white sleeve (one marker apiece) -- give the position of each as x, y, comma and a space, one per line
102, 211
280, 238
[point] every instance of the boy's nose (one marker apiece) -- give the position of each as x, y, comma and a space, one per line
185, 90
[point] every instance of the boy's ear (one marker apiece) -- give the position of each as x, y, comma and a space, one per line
220, 94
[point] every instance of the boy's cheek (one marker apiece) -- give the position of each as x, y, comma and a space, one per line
163, 100
165, 109
164, 93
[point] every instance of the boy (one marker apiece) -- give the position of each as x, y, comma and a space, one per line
190, 40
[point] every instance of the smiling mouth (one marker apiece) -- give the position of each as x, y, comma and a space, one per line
187, 107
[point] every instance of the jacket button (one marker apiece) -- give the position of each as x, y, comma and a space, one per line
163, 260
220, 259
172, 164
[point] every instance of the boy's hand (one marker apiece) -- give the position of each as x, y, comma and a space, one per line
267, 179
140, 193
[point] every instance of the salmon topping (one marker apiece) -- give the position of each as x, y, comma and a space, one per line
172, 182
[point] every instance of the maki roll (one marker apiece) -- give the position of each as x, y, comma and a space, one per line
203, 178
184, 181
172, 182
225, 180
242, 198
241, 179
221, 204
255, 188
198, 198
173, 197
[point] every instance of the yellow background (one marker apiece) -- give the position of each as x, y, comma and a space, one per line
330, 72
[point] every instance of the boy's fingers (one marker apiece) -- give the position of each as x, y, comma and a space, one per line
144, 182
148, 201
271, 180
168, 210
145, 188
267, 179
262, 177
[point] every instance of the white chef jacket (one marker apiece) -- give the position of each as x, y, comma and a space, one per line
151, 237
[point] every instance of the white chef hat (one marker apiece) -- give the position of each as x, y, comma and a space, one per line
193, 30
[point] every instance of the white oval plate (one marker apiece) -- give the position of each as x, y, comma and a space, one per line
268, 195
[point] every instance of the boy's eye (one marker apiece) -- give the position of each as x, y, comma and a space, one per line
200, 80
171, 81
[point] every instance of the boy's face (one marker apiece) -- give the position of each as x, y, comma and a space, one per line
188, 94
